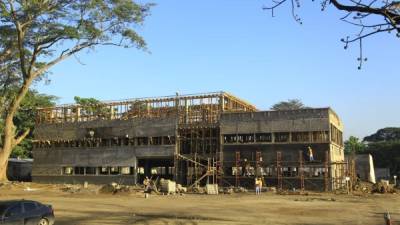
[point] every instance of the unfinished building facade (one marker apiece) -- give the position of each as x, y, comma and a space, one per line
192, 139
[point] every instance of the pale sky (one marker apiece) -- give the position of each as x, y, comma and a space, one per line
235, 46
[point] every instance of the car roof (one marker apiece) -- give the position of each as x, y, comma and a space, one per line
10, 202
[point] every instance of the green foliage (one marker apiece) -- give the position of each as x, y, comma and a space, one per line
291, 104
386, 154
35, 35
384, 146
92, 106
385, 134
25, 119
353, 145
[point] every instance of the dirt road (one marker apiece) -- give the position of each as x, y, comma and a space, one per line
245, 208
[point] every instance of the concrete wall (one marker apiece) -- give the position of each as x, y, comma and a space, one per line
290, 152
335, 120
19, 170
107, 129
76, 179
275, 121
365, 168
50, 162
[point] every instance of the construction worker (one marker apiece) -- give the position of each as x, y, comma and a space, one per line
146, 183
258, 184
310, 154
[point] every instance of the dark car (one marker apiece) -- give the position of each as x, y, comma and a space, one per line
25, 212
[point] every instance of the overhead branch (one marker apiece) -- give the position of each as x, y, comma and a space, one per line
21, 137
65, 54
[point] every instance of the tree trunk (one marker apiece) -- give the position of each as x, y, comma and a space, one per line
3, 167
6, 150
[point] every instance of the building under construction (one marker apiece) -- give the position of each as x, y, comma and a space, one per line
192, 139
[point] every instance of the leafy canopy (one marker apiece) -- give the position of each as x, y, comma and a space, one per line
47, 31
353, 145
291, 104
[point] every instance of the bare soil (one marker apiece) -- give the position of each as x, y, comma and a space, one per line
87, 207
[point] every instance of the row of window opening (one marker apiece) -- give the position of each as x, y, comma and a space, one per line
106, 142
316, 136
115, 170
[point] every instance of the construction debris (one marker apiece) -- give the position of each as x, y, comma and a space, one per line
114, 188
383, 187
180, 189
212, 189
227, 190
240, 190
198, 190
168, 186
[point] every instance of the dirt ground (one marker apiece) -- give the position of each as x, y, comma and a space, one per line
88, 207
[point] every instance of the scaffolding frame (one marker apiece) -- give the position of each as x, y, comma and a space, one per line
191, 109
302, 175
279, 170
301, 171
237, 165
197, 141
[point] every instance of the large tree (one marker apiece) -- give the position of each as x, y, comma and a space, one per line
370, 17
35, 35
384, 134
353, 145
291, 104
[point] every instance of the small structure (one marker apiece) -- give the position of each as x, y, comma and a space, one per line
365, 168
19, 169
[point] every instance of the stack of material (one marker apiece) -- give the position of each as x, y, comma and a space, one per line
212, 189
168, 186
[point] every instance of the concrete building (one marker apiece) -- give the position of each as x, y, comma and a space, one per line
193, 139
365, 167
19, 169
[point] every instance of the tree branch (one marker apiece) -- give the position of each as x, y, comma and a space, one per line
21, 137
64, 55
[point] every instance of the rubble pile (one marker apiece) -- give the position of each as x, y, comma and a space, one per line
383, 187
226, 190
114, 188
71, 189
240, 190
363, 187
198, 190
180, 189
